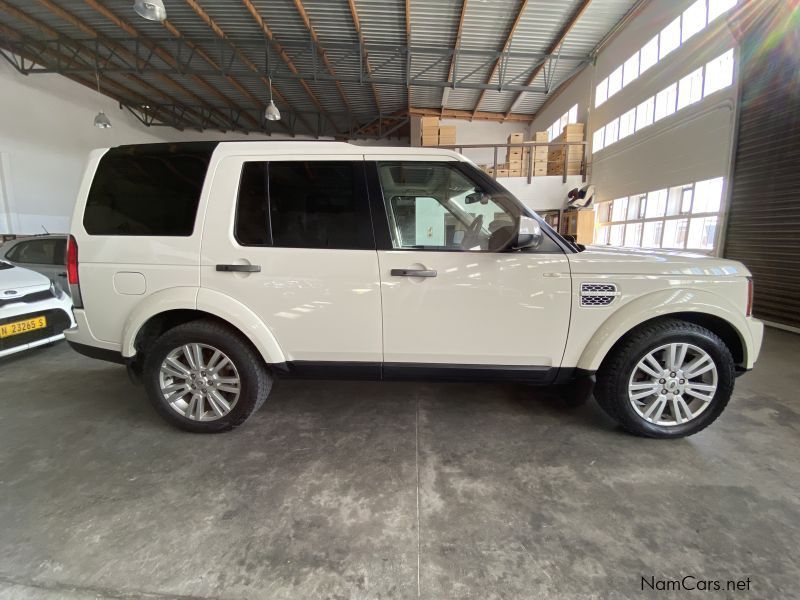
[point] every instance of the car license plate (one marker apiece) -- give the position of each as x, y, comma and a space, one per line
25, 326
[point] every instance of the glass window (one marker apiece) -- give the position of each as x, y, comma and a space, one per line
648, 56
573, 114
665, 102
435, 206
148, 189
670, 38
702, 232
719, 73
686, 199
630, 70
617, 235
694, 20
633, 207
601, 237
604, 212
651, 235
645, 112
619, 208
675, 233
598, 139
717, 7
633, 235
39, 252
314, 204
612, 132
627, 123
615, 81
601, 92
690, 89
656, 204
708, 196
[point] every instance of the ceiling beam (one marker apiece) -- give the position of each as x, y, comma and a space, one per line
562, 35
123, 95
286, 59
313, 33
450, 113
47, 30
456, 47
214, 26
408, 55
523, 4
163, 54
123, 52
357, 24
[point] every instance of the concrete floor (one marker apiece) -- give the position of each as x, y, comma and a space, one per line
396, 490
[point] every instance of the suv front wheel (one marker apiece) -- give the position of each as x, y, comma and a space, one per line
666, 380
204, 377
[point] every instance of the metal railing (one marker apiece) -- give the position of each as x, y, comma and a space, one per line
529, 159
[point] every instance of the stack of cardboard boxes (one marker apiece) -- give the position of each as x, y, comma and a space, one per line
518, 161
574, 153
434, 134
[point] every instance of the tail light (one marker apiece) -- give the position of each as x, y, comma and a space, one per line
72, 272
749, 311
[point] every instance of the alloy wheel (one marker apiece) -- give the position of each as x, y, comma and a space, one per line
673, 384
199, 382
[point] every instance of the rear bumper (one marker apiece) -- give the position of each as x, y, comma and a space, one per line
98, 353
82, 335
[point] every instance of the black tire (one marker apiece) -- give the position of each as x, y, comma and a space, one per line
611, 390
256, 381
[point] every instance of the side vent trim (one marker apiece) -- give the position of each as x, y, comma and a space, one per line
598, 295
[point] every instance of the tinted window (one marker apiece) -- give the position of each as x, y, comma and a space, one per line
39, 252
304, 205
150, 189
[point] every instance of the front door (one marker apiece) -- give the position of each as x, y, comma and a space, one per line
300, 230
454, 298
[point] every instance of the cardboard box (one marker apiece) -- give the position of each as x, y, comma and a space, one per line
541, 136
429, 122
430, 141
430, 131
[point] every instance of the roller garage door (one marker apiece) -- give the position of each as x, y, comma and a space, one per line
763, 229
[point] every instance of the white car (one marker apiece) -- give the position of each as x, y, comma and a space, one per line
33, 311
211, 269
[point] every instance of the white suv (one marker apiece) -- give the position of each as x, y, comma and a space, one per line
212, 268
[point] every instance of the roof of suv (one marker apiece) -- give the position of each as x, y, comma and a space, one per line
308, 147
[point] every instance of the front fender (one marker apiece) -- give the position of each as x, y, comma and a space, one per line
657, 304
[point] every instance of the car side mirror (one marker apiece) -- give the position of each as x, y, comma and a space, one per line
529, 234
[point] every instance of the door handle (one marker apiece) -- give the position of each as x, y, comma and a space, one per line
413, 273
239, 268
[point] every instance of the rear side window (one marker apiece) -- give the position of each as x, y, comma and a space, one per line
304, 204
149, 189
39, 252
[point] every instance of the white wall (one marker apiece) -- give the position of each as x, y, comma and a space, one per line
691, 145
46, 133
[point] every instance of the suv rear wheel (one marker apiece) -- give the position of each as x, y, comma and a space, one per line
666, 380
204, 377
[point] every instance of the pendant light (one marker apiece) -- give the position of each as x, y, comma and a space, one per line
271, 113
152, 10
101, 121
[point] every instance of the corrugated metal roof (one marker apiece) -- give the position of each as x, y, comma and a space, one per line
433, 32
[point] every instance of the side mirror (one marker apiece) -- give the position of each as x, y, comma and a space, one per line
529, 234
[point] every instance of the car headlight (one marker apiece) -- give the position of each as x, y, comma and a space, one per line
54, 291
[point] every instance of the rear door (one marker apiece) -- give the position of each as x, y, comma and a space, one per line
292, 239
454, 301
